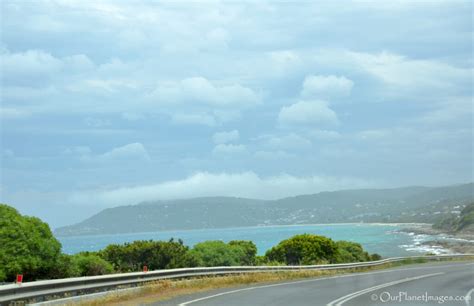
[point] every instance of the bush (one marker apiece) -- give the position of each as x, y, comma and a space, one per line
375, 256
27, 246
89, 264
350, 252
65, 267
303, 249
250, 250
218, 253
154, 254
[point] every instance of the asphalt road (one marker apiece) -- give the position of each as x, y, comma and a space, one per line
425, 284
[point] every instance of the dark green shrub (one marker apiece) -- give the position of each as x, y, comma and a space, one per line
304, 249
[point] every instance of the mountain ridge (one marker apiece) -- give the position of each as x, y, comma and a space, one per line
405, 204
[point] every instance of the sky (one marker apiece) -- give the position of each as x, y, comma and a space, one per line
108, 103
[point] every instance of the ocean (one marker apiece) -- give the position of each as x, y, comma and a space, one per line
384, 239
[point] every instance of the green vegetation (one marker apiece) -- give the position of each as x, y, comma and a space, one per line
310, 249
410, 204
304, 249
29, 248
153, 254
218, 253
89, 264
464, 222
352, 252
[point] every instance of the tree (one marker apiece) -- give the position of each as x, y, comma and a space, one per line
303, 249
27, 246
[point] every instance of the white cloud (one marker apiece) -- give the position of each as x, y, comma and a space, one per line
330, 86
225, 137
200, 91
229, 149
315, 112
414, 74
127, 153
32, 64
202, 184
34, 67
132, 150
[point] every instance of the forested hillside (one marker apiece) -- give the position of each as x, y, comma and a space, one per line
410, 204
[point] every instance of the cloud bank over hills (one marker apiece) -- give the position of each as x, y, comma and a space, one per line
104, 102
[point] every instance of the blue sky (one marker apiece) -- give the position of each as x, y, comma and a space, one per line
108, 103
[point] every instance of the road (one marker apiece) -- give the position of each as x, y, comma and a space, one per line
424, 284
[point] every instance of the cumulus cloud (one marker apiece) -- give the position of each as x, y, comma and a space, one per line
199, 90
225, 137
326, 87
35, 67
129, 152
203, 184
414, 74
315, 112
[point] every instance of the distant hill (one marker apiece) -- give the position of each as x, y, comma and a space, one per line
409, 204
458, 221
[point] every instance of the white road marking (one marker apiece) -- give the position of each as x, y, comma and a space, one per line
350, 296
468, 296
314, 280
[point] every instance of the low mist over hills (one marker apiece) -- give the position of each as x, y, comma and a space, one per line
409, 204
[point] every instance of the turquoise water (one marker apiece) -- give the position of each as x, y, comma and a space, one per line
375, 238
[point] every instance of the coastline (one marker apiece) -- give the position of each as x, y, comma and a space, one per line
439, 241
414, 224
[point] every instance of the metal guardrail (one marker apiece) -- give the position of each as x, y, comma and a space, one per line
51, 289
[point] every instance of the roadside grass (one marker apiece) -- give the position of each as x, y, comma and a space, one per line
167, 289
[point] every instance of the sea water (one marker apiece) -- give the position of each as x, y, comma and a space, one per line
384, 239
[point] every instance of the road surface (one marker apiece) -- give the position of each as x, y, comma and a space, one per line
425, 284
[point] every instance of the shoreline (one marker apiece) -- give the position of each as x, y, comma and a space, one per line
254, 226
441, 241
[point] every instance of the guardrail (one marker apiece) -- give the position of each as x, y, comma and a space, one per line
53, 289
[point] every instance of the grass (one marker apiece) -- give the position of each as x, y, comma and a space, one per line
167, 289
